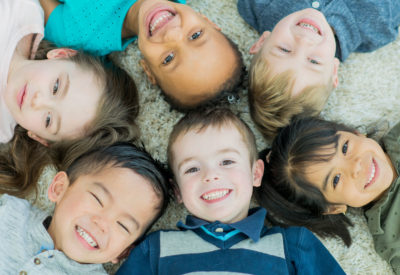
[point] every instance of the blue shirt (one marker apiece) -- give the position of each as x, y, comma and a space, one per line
93, 26
360, 26
246, 247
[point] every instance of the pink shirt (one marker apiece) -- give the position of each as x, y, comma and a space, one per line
18, 18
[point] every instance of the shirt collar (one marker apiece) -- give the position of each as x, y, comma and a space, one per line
250, 226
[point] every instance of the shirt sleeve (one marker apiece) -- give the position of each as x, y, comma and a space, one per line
139, 260
93, 26
307, 255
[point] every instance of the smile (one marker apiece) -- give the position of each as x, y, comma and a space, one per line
158, 18
21, 96
216, 195
310, 25
373, 174
85, 236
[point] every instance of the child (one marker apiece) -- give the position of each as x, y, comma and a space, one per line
214, 160
105, 201
316, 169
181, 48
45, 97
62, 99
295, 66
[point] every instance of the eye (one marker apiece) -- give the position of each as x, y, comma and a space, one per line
195, 35
313, 61
97, 199
48, 120
124, 227
345, 147
56, 86
191, 170
336, 180
168, 59
227, 162
284, 50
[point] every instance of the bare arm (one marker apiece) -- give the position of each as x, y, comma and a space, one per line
48, 7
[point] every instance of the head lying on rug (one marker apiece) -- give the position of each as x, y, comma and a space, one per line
104, 203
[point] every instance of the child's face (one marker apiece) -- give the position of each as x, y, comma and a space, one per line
358, 174
53, 98
214, 173
302, 42
98, 216
183, 49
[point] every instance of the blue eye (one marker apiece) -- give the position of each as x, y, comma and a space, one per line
191, 170
56, 86
168, 59
336, 180
345, 147
48, 120
195, 35
313, 61
284, 50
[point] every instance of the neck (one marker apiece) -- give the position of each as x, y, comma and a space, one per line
131, 24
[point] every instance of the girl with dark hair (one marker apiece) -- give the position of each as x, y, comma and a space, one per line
316, 169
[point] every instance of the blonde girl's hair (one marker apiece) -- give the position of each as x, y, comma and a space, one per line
270, 101
22, 160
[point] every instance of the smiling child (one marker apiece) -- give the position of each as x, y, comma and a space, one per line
213, 156
105, 201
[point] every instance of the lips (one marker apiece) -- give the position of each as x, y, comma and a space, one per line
21, 96
158, 17
216, 195
309, 25
86, 238
373, 174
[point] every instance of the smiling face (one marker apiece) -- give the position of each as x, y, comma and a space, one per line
98, 216
214, 173
182, 49
358, 173
53, 98
302, 42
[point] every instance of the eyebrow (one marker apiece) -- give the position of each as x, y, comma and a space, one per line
64, 93
109, 195
222, 151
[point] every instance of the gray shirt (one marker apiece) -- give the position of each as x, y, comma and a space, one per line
27, 246
360, 26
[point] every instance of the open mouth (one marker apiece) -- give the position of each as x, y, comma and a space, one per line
21, 96
310, 25
86, 238
373, 174
158, 18
216, 195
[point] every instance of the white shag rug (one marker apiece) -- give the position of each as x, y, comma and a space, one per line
367, 98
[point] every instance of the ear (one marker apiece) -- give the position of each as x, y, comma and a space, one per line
259, 43
115, 261
215, 26
37, 138
148, 72
335, 78
258, 172
336, 209
61, 53
58, 187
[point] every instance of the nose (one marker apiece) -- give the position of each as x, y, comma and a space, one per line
356, 167
38, 100
101, 223
174, 34
211, 175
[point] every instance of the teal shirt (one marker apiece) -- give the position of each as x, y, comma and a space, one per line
92, 26
384, 216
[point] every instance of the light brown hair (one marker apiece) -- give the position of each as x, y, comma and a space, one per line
270, 101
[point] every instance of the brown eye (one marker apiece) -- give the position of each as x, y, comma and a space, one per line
336, 180
195, 35
345, 147
168, 59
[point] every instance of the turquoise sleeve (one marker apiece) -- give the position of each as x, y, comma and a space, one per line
92, 26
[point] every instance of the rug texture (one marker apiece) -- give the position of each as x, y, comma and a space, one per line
367, 98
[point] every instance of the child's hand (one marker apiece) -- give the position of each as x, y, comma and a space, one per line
48, 7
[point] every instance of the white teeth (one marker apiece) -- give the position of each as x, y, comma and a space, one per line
372, 173
309, 26
215, 195
86, 237
160, 19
